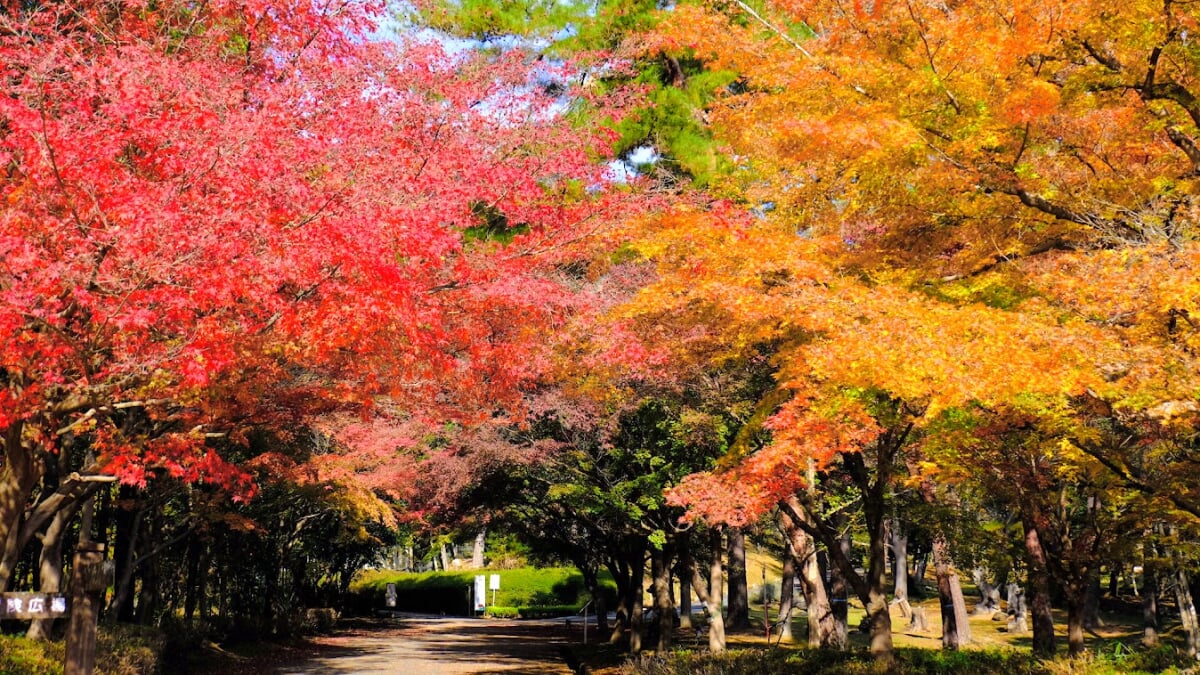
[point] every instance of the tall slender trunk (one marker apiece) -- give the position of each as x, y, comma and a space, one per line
128, 526
621, 575
686, 570
786, 593
956, 630
592, 580
916, 582
716, 582
636, 610
1187, 613
1149, 600
739, 593
445, 553
1039, 592
900, 556
664, 607
822, 625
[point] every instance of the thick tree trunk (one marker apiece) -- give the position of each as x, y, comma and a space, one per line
445, 553
739, 593
664, 608
956, 631
1039, 593
477, 551
787, 593
18, 475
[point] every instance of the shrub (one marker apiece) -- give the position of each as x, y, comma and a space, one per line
777, 661
120, 650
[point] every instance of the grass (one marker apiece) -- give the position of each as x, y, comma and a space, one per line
523, 591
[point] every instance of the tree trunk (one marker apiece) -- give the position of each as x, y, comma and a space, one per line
716, 620
128, 526
822, 627
786, 593
739, 593
477, 551
445, 552
1076, 597
621, 575
1114, 580
664, 608
839, 599
1039, 587
50, 569
900, 555
1149, 605
18, 475
592, 580
917, 580
637, 578
1091, 603
956, 631
686, 572
1187, 614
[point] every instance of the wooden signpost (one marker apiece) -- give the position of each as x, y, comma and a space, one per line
88, 582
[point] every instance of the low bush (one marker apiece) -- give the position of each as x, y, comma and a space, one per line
909, 661
120, 650
779, 661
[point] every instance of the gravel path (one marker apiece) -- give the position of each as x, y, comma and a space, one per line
416, 645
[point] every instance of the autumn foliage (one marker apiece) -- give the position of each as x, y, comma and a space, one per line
229, 215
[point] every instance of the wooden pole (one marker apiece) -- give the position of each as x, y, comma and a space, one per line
87, 588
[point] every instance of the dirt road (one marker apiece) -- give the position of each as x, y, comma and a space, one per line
439, 646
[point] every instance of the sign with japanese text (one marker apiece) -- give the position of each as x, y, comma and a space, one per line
32, 606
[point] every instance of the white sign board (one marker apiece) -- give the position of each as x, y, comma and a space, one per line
494, 582
480, 592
